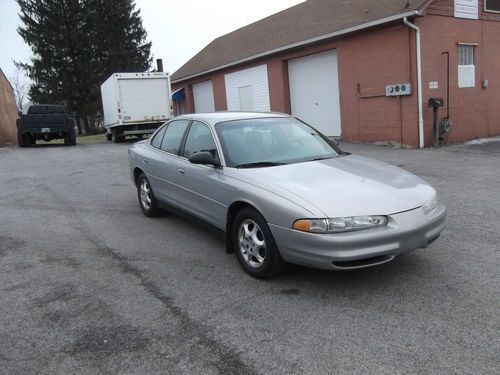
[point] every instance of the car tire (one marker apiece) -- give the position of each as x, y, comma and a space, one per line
147, 201
254, 245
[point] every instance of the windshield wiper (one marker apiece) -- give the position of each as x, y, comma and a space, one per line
342, 153
323, 158
259, 164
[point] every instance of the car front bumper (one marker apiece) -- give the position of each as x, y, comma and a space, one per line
405, 231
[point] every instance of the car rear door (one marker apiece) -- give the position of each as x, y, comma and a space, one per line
200, 188
161, 160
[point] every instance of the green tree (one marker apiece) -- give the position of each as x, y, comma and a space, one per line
76, 45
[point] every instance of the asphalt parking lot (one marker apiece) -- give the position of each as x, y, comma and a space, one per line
90, 285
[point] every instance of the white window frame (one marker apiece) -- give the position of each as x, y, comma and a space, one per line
466, 72
489, 10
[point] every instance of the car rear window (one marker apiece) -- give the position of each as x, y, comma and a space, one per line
156, 141
173, 136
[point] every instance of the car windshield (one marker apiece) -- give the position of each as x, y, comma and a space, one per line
265, 142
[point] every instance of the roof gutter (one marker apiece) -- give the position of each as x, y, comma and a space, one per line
363, 26
419, 82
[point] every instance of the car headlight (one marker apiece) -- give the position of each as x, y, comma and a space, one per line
430, 205
339, 224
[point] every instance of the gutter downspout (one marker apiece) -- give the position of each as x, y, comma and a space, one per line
419, 82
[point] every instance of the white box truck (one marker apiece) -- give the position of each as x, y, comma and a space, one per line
135, 104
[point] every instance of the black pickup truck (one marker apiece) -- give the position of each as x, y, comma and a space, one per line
45, 122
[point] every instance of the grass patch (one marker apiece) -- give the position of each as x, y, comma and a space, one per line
91, 138
97, 138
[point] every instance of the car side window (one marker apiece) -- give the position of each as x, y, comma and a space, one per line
156, 141
173, 136
199, 139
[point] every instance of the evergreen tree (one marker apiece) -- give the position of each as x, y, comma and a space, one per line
76, 45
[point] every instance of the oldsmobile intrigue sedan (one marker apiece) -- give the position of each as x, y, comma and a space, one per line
283, 192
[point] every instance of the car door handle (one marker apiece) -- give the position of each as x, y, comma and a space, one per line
145, 160
180, 170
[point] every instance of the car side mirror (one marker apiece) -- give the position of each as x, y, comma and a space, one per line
335, 141
205, 158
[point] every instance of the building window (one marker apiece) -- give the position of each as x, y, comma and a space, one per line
466, 67
492, 6
465, 55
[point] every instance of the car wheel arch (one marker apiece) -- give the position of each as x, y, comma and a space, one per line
137, 172
232, 211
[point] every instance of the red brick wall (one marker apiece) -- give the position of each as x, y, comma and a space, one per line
447, 8
474, 112
371, 59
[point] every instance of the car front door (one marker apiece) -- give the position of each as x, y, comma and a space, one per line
201, 188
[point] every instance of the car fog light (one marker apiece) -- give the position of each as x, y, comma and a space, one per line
340, 224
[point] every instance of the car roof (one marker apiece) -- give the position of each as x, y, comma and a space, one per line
216, 117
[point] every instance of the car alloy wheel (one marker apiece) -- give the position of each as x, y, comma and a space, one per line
252, 243
145, 191
147, 201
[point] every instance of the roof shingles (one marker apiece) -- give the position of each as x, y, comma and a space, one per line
307, 20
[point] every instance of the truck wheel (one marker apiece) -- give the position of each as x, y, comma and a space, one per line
27, 140
73, 138
70, 139
109, 137
20, 139
117, 138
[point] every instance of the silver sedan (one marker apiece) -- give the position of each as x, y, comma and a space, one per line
283, 192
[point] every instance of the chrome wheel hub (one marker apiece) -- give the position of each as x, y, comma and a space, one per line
252, 243
145, 193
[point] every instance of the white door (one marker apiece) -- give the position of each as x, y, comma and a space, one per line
203, 95
246, 98
314, 91
248, 90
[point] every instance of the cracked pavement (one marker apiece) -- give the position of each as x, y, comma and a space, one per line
89, 285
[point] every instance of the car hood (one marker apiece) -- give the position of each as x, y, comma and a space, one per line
345, 186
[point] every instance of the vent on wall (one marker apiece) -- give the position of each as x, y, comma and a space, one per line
467, 9
492, 6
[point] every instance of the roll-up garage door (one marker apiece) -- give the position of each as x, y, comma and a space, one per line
248, 90
314, 91
203, 95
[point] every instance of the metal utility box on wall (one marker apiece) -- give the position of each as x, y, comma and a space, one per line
398, 89
435, 102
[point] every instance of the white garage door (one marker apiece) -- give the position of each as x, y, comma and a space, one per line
314, 91
203, 95
248, 90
